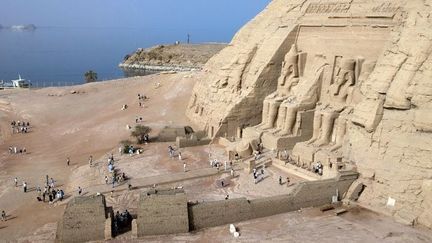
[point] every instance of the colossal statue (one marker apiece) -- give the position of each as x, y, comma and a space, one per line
287, 80
305, 97
326, 114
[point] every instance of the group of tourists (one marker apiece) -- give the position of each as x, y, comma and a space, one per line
141, 98
287, 181
317, 168
122, 221
115, 178
16, 150
258, 176
20, 126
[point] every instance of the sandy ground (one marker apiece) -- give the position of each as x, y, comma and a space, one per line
90, 121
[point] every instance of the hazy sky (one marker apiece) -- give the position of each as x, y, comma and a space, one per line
123, 13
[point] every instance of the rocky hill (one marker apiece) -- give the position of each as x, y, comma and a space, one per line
359, 81
180, 57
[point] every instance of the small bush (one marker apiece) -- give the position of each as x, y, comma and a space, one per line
141, 132
126, 144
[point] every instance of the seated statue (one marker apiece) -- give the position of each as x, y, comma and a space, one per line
326, 115
287, 80
305, 98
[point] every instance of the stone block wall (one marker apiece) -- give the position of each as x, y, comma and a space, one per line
162, 213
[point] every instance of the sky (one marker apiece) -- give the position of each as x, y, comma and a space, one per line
76, 35
128, 13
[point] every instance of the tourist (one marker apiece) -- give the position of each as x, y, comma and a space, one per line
68, 161
113, 181
227, 197
16, 181
232, 173
106, 179
52, 183
254, 171
129, 186
184, 166
111, 194
222, 183
39, 190
3, 215
43, 196
170, 151
288, 181
179, 156
24, 186
91, 160
255, 178
225, 165
280, 180
61, 195
79, 191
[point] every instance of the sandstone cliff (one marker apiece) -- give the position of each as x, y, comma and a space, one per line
388, 136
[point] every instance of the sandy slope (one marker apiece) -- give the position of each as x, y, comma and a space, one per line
76, 125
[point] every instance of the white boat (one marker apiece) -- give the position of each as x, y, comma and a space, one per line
15, 84
20, 83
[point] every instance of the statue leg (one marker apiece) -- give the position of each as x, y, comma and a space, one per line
327, 128
272, 114
280, 119
264, 114
340, 133
316, 127
290, 120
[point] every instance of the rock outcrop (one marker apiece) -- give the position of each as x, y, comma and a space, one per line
359, 93
179, 57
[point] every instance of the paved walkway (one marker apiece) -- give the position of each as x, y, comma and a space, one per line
158, 180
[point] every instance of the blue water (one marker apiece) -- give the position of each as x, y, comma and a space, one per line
51, 56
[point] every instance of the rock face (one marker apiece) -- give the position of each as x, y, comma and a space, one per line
336, 82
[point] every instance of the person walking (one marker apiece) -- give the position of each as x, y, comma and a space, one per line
79, 191
106, 179
225, 165
288, 181
16, 181
232, 173
280, 180
24, 186
68, 161
91, 160
3, 215
179, 156
184, 166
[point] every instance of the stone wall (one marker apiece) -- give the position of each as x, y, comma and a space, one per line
162, 212
305, 194
83, 220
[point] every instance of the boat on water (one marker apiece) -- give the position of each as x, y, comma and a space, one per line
15, 84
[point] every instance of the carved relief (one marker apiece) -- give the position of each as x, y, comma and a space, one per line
317, 8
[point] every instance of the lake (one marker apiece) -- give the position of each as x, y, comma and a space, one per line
58, 55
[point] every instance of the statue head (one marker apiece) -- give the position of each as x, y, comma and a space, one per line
289, 66
345, 74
